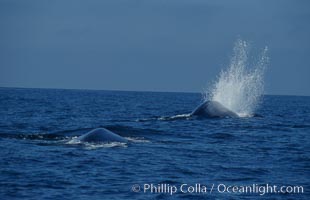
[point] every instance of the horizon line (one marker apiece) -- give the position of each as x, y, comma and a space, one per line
122, 90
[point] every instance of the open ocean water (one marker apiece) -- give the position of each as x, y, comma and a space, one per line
39, 161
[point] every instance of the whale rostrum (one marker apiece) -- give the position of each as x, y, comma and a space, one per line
213, 109
101, 135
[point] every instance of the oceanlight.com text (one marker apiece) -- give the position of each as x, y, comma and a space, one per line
198, 188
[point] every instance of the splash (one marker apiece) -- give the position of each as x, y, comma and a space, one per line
240, 86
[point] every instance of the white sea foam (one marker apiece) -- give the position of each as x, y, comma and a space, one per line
91, 146
74, 140
240, 86
181, 116
137, 139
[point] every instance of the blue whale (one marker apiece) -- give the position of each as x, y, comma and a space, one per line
210, 109
101, 135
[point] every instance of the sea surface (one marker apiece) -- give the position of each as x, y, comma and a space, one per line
38, 159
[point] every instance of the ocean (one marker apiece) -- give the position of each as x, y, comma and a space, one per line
166, 157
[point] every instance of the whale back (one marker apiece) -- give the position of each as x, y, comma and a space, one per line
213, 109
101, 135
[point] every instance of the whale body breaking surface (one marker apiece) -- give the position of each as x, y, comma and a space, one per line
101, 135
208, 109
213, 109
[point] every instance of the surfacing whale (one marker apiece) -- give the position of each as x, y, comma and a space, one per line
213, 109
101, 135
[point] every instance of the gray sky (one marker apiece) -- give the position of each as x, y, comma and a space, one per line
153, 45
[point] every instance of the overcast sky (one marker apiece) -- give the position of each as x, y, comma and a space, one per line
152, 45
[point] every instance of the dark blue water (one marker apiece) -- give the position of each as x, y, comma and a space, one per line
39, 162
